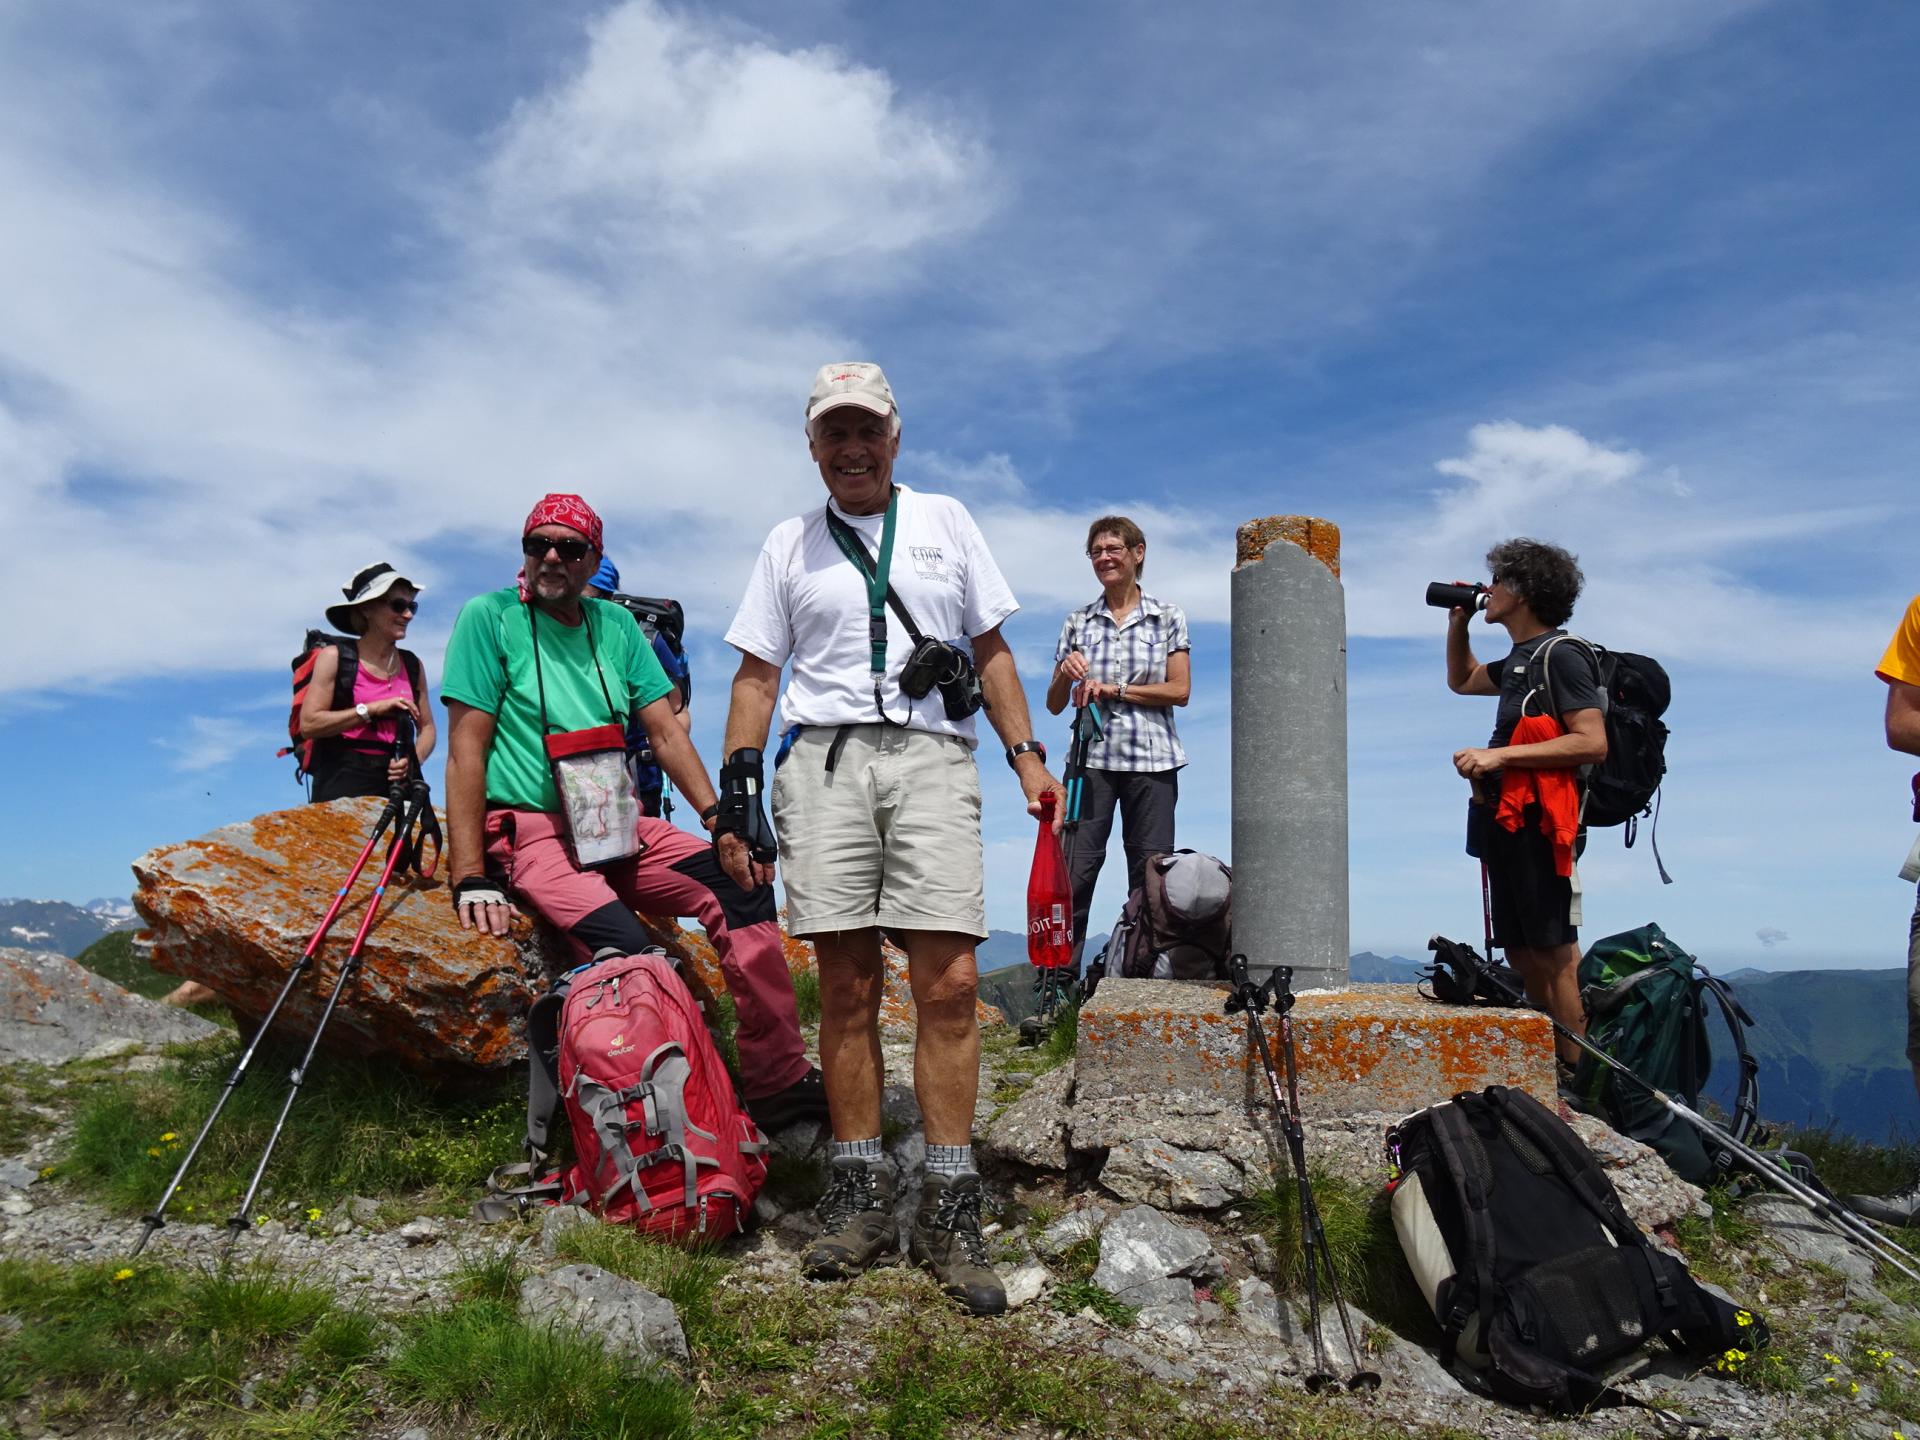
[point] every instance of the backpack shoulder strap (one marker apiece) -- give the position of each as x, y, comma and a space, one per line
416, 674
348, 672
1538, 666
1472, 1178
1746, 1103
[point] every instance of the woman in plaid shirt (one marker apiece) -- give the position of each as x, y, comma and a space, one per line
1127, 655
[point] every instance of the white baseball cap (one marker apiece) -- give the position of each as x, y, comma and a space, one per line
851, 382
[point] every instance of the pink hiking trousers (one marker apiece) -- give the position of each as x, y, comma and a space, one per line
675, 874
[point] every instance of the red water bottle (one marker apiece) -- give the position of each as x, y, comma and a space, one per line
1049, 898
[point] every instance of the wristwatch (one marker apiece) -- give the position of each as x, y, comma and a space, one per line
362, 711
1121, 694
1026, 747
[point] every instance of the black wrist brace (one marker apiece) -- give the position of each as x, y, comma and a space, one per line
743, 808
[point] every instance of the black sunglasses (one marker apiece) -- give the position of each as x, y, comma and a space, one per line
403, 607
535, 547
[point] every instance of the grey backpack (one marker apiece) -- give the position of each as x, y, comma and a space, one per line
1179, 924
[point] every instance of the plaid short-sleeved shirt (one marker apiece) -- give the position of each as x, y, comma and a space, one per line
1137, 737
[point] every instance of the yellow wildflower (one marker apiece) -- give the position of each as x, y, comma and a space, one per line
168, 1136
154, 1150
313, 1212
120, 1275
1742, 1317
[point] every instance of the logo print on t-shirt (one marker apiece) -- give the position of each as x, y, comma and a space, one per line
929, 561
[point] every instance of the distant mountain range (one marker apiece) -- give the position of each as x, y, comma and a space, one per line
57, 925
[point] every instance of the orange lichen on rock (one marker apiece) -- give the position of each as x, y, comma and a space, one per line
1319, 538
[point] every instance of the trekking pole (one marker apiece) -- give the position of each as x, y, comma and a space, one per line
156, 1217
1278, 991
403, 853
1826, 1209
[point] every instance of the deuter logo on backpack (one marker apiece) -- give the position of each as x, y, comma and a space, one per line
660, 1139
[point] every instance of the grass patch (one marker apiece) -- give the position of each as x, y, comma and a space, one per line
1715, 1244
182, 1341
806, 995
1076, 1290
24, 1091
477, 1367
1856, 1167
1361, 1243
359, 1127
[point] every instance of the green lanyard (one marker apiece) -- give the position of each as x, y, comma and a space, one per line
876, 578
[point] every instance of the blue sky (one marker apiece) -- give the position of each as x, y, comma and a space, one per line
291, 288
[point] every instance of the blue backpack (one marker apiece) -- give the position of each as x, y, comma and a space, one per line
664, 623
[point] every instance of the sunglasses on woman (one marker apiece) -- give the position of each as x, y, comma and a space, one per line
535, 547
403, 607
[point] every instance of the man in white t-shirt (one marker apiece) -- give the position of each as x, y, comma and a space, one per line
876, 803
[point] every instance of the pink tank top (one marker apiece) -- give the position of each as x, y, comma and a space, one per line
366, 690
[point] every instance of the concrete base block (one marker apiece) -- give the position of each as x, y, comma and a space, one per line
1368, 1050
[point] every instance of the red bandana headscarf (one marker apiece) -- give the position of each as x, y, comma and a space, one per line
568, 510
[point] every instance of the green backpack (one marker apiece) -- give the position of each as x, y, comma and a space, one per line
1646, 1006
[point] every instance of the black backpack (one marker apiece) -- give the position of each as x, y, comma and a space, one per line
1635, 693
312, 757
1538, 1277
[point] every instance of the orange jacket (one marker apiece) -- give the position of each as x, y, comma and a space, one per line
1557, 791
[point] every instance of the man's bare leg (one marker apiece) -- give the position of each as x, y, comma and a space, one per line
1552, 978
851, 979
946, 1052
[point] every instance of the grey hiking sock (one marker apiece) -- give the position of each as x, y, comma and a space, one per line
949, 1160
867, 1150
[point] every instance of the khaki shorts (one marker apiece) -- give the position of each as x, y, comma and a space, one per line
890, 837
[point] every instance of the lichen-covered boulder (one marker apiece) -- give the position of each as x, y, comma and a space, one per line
235, 908
53, 1010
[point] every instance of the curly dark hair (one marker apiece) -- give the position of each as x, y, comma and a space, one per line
1546, 577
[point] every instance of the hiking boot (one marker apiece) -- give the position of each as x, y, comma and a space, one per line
1900, 1208
947, 1240
805, 1099
857, 1228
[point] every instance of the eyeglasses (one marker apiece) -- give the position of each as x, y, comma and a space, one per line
1099, 551
403, 607
535, 547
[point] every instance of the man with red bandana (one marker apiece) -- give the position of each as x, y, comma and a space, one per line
537, 658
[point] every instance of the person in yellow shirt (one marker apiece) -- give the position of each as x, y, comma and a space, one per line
1900, 668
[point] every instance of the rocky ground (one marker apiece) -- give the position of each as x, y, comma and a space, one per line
1166, 1272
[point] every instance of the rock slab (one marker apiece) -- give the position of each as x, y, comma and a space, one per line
623, 1317
1369, 1050
53, 1010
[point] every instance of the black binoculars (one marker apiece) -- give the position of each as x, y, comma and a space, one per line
1443, 596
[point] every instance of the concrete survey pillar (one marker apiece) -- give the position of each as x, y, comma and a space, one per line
1290, 749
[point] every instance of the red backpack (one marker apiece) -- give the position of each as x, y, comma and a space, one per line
660, 1140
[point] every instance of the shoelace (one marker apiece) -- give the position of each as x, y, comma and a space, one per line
959, 1211
850, 1194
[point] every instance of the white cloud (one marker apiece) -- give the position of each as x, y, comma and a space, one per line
209, 741
614, 313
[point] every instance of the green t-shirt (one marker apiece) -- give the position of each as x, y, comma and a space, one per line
489, 666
